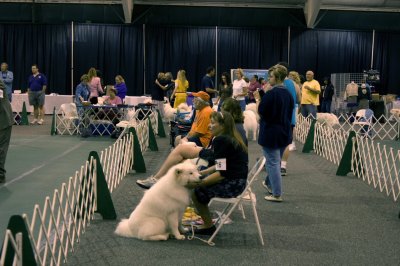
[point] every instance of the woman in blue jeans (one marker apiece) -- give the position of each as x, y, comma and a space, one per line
275, 109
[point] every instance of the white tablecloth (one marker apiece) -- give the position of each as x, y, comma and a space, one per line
135, 100
50, 101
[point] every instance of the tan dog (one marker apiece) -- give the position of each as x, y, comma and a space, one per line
160, 211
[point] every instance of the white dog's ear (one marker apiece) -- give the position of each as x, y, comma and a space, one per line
178, 175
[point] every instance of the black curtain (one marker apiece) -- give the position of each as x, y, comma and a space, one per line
169, 49
330, 51
250, 48
45, 45
112, 49
387, 61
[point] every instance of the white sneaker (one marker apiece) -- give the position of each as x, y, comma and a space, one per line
146, 183
34, 121
40, 122
273, 198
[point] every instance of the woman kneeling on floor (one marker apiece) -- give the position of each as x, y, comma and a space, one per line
226, 177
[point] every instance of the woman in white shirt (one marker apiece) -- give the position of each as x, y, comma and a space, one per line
240, 88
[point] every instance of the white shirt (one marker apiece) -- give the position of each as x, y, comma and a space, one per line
237, 88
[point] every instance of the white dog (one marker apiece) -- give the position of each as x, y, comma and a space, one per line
253, 107
183, 107
327, 119
169, 112
250, 124
160, 211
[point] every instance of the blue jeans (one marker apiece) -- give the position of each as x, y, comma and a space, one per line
242, 104
273, 166
326, 106
9, 94
307, 109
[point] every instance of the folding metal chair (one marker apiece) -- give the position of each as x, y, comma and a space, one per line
364, 120
232, 203
68, 119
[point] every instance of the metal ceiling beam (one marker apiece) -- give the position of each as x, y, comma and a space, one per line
259, 4
360, 8
94, 2
127, 6
222, 3
311, 10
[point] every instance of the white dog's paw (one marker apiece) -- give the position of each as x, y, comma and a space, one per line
180, 237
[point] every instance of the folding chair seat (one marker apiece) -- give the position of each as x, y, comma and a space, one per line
363, 119
233, 203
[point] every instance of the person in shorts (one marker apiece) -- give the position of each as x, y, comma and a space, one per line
37, 85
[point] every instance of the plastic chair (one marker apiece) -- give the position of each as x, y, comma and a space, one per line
232, 203
364, 120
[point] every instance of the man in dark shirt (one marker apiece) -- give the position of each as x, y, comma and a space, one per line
327, 94
207, 83
37, 85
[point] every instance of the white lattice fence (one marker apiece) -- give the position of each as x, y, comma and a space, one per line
142, 130
154, 121
15, 244
302, 127
57, 226
377, 164
381, 128
117, 160
98, 120
329, 142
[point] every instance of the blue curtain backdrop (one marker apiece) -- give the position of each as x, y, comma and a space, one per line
169, 49
329, 51
114, 50
251, 48
387, 60
45, 45
118, 49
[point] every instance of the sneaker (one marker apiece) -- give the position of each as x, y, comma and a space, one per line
269, 190
34, 121
146, 183
283, 172
273, 198
2, 179
40, 122
205, 231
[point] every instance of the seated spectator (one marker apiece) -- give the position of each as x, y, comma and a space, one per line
232, 106
82, 91
120, 86
113, 99
199, 132
229, 180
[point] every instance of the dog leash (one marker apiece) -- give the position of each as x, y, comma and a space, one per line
192, 236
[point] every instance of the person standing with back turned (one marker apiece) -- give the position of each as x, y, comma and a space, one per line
275, 109
6, 122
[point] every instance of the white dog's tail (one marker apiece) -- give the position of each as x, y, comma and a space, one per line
123, 229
